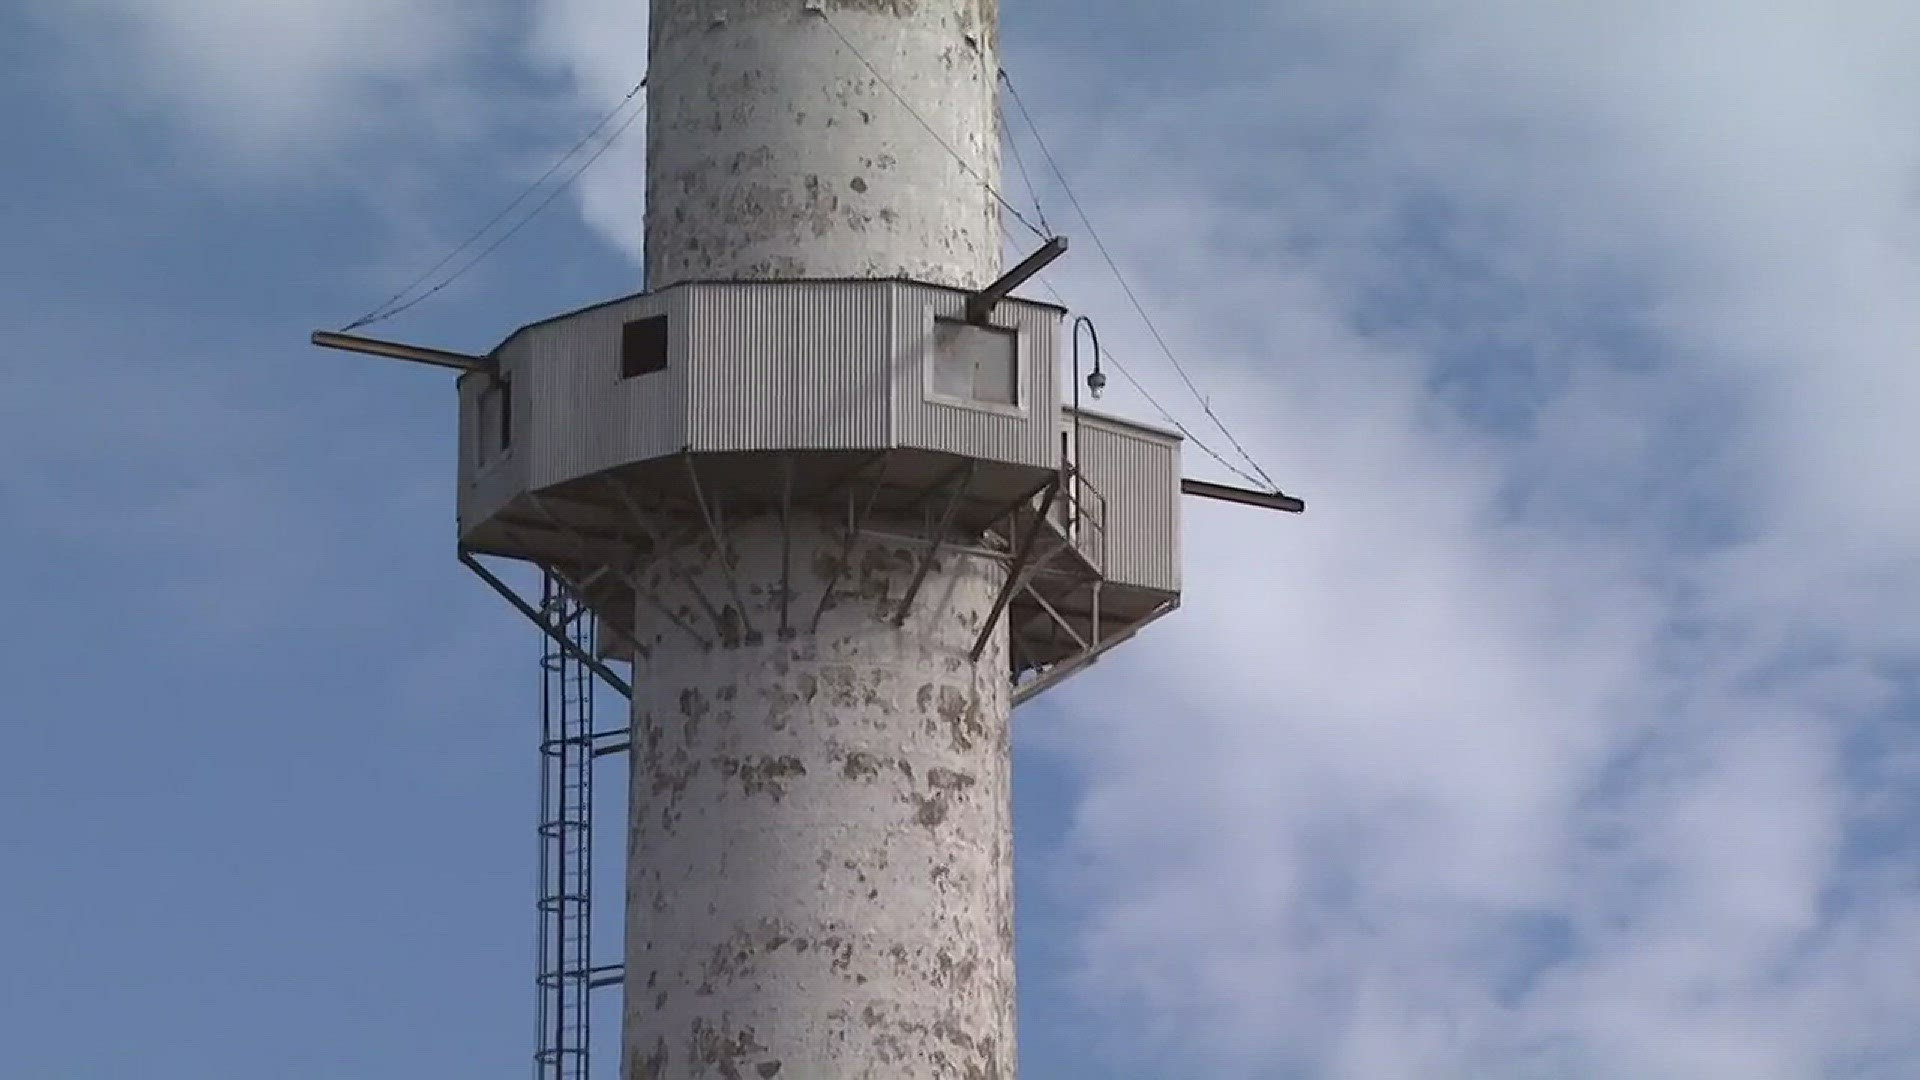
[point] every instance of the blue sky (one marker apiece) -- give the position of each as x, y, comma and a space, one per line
1570, 736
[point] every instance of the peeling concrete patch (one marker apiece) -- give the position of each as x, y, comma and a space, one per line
948, 780
722, 1050
741, 182
654, 1065
829, 783
930, 812
764, 777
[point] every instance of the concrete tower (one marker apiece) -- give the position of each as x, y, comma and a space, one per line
822, 844
790, 139
818, 486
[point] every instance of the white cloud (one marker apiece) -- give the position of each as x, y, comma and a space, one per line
1531, 752
601, 48
279, 85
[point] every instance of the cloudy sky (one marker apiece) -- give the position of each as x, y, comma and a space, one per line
1571, 735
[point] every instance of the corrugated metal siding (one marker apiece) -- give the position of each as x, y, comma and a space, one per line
657, 414
1139, 473
1028, 438
491, 490
483, 490
788, 366
581, 416
763, 366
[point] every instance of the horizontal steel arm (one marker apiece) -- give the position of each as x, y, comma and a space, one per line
1244, 496
394, 350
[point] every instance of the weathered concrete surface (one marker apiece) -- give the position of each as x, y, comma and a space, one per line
773, 151
820, 883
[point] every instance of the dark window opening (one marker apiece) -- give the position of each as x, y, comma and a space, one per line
643, 347
496, 422
506, 415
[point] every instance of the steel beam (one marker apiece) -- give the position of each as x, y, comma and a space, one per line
721, 550
394, 350
1265, 500
605, 673
855, 525
981, 304
1060, 672
1016, 572
666, 551
959, 485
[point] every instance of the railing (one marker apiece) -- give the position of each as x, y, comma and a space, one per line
1082, 510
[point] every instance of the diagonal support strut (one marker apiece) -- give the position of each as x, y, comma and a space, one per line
855, 523
1016, 572
957, 490
721, 551
605, 673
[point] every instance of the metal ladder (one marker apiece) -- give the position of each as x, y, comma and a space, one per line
565, 972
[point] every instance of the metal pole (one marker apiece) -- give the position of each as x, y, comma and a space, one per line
1095, 336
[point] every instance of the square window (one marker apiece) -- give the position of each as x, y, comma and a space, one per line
976, 363
643, 347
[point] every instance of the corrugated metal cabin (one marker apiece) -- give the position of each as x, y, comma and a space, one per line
716, 368
743, 387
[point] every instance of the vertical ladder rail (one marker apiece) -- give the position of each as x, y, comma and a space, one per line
564, 963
